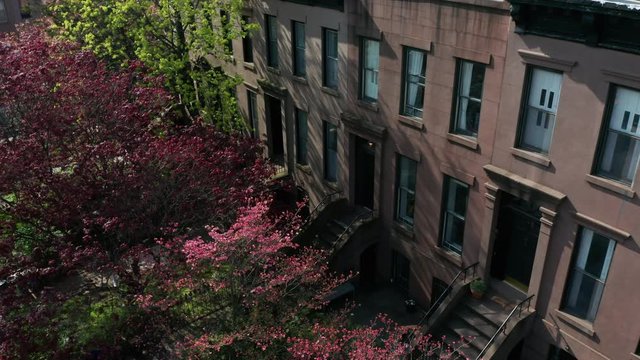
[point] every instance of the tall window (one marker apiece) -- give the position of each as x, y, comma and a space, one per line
247, 43
620, 146
539, 116
591, 260
3, 12
401, 270
455, 197
252, 107
302, 134
330, 58
330, 152
414, 79
370, 63
298, 40
470, 79
405, 189
272, 40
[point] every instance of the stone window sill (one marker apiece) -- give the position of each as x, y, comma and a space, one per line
403, 230
536, 158
333, 185
411, 122
300, 79
611, 186
304, 168
273, 70
580, 324
249, 66
450, 256
635, 356
330, 91
465, 141
371, 106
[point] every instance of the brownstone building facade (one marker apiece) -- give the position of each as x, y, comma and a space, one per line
476, 131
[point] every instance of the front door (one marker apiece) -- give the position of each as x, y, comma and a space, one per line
516, 241
365, 166
274, 121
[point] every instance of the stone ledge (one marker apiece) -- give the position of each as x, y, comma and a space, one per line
411, 122
580, 324
300, 79
403, 230
611, 186
450, 256
304, 168
465, 141
531, 156
536, 58
371, 106
249, 66
330, 91
606, 229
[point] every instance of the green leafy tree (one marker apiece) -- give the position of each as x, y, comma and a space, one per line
184, 41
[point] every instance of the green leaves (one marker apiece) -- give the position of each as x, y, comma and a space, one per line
184, 41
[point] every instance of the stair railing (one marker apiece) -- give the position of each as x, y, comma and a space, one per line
503, 326
363, 215
462, 273
326, 200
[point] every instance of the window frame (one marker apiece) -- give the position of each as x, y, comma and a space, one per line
405, 82
326, 58
273, 59
252, 111
455, 113
524, 105
362, 71
301, 156
327, 126
603, 134
398, 188
247, 43
295, 49
573, 268
445, 213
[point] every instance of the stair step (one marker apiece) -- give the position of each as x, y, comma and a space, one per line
479, 322
453, 340
327, 238
462, 328
341, 224
490, 313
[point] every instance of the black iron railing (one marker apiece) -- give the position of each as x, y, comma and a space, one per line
461, 274
326, 200
503, 327
367, 214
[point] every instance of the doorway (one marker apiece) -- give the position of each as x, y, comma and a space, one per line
274, 125
368, 266
516, 241
365, 167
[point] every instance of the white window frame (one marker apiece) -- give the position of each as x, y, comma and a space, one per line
623, 123
465, 71
449, 214
403, 192
414, 80
540, 109
369, 69
579, 273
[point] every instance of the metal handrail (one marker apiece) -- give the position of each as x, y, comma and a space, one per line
445, 293
503, 326
315, 210
361, 216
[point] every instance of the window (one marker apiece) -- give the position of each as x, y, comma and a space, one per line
298, 39
272, 40
330, 152
302, 134
414, 78
247, 43
470, 79
591, 260
3, 12
405, 189
620, 146
330, 58
252, 106
539, 113
555, 353
455, 197
370, 63
401, 270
